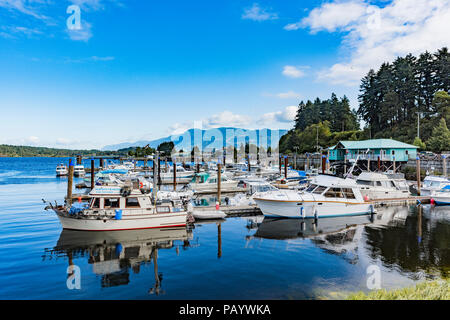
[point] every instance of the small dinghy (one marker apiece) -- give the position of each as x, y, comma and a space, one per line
208, 215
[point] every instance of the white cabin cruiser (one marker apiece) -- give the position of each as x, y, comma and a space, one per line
431, 184
327, 196
206, 182
61, 170
114, 208
182, 175
78, 170
376, 185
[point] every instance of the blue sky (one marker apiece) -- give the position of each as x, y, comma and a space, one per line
146, 69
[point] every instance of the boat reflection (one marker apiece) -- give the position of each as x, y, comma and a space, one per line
113, 254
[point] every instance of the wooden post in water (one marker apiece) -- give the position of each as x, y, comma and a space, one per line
70, 183
379, 164
78, 159
159, 170
279, 164
419, 224
101, 162
285, 166
324, 164
418, 174
393, 164
165, 164
174, 165
92, 173
219, 181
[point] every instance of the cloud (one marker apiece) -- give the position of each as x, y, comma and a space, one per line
292, 72
256, 13
24, 7
83, 34
288, 95
226, 119
286, 115
373, 34
95, 58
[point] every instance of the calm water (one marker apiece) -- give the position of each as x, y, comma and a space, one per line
240, 258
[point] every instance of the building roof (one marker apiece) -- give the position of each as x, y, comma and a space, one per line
374, 144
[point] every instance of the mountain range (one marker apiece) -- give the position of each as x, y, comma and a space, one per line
211, 138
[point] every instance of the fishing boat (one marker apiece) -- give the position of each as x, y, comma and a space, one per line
327, 196
61, 170
78, 171
432, 184
114, 208
375, 185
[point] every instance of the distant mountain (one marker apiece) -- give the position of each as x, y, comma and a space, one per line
211, 138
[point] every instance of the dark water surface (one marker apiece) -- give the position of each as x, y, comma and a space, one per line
238, 258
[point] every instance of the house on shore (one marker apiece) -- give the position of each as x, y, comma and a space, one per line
374, 150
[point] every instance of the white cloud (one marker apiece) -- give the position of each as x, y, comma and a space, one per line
24, 7
83, 34
288, 95
286, 115
257, 13
226, 119
95, 58
373, 35
292, 72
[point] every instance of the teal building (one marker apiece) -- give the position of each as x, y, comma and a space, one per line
374, 149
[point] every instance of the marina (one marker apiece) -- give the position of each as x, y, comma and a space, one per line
123, 264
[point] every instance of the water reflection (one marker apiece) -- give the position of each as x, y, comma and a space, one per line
409, 239
419, 244
113, 254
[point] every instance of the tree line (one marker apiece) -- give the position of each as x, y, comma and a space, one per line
393, 100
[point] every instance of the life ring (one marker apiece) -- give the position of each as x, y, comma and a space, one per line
141, 185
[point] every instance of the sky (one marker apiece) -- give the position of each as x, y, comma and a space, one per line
141, 70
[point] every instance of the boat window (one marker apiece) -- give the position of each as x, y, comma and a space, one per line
334, 193
132, 203
95, 204
163, 209
311, 188
378, 183
348, 193
111, 203
319, 190
364, 182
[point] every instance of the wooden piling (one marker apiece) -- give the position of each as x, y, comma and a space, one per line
323, 164
248, 165
70, 184
418, 175
285, 166
92, 173
219, 178
279, 164
379, 164
101, 162
174, 165
159, 171
78, 159
393, 164
155, 175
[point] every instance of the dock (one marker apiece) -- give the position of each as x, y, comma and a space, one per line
400, 201
234, 211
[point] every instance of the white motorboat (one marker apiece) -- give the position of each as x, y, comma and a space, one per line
327, 196
120, 208
182, 175
442, 197
206, 182
432, 184
78, 171
376, 185
61, 170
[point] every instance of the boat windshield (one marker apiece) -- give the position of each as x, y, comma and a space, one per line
319, 190
311, 188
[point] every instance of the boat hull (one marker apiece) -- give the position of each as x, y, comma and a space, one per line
299, 209
442, 201
177, 219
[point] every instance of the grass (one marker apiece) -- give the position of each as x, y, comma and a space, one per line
427, 290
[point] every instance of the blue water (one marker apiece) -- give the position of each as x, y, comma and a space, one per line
230, 259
